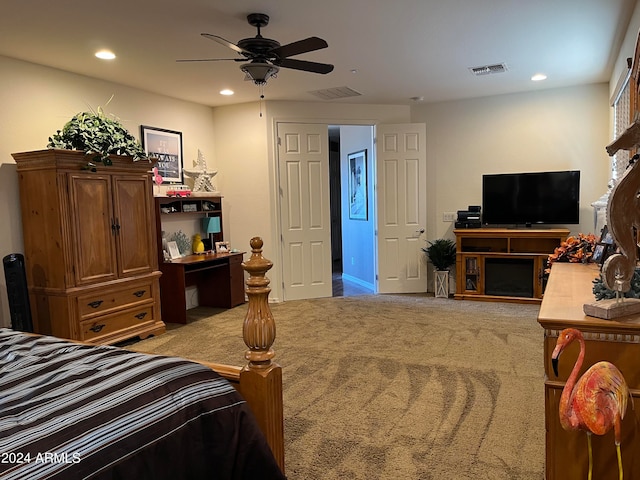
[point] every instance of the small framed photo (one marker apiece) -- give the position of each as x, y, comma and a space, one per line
189, 207
174, 252
606, 237
599, 253
166, 146
222, 247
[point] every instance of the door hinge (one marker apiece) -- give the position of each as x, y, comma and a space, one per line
279, 141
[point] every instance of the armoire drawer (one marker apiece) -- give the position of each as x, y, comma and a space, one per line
99, 302
117, 322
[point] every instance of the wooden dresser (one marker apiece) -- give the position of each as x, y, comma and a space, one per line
90, 247
617, 341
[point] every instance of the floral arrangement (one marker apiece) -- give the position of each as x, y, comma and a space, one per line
574, 249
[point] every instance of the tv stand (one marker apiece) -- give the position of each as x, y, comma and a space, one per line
501, 264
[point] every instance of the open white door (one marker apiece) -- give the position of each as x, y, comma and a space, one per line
402, 205
303, 170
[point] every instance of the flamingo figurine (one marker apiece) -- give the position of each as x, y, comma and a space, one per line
156, 176
594, 403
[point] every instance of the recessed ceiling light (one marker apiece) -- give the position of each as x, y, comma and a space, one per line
538, 77
105, 55
226, 91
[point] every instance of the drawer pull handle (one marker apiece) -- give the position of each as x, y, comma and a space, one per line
139, 293
140, 316
97, 328
95, 304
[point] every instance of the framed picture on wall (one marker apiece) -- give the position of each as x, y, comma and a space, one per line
166, 146
358, 194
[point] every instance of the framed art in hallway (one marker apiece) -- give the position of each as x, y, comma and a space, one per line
358, 195
166, 146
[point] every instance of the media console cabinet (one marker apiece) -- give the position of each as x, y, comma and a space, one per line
502, 264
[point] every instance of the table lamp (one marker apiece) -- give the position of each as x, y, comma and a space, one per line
211, 226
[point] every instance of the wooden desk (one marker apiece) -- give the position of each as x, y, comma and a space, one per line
618, 341
219, 278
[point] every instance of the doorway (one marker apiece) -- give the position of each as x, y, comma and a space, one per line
383, 184
353, 253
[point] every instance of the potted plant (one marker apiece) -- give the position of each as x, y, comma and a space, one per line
442, 254
99, 135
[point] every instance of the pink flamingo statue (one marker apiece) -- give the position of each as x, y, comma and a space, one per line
156, 176
594, 403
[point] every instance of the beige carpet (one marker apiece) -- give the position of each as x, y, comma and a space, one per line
395, 386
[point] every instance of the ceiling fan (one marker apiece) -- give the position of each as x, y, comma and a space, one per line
265, 56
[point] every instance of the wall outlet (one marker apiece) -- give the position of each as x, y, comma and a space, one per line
353, 261
448, 217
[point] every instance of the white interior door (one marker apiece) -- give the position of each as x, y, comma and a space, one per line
303, 169
402, 206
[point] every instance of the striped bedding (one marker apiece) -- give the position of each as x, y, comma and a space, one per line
72, 411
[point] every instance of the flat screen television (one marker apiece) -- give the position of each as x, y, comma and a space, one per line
524, 199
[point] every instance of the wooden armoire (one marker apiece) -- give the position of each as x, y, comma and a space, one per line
89, 245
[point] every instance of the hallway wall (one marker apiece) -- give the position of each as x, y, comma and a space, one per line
358, 239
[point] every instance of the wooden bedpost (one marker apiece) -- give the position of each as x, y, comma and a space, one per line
261, 378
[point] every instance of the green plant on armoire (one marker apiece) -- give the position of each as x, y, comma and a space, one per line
99, 135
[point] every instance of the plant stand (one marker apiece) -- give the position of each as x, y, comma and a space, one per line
442, 283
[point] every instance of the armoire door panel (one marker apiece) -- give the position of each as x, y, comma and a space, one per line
132, 205
92, 222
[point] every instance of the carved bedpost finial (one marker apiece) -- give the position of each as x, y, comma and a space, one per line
259, 328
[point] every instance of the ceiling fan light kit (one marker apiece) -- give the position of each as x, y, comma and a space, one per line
259, 72
266, 56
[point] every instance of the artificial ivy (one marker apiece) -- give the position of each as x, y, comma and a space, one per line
601, 292
97, 134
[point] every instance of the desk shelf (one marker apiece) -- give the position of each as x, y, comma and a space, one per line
177, 206
168, 208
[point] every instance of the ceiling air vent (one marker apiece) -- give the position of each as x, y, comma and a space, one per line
488, 69
337, 92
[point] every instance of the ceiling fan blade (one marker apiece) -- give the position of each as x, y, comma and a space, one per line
301, 46
211, 60
227, 44
304, 65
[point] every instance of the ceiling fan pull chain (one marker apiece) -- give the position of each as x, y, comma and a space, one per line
261, 87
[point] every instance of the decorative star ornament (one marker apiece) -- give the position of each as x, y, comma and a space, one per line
201, 176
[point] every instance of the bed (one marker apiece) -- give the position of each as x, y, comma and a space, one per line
71, 410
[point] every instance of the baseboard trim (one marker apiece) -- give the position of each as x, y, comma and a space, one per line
358, 281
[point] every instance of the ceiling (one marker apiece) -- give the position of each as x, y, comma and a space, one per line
387, 51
